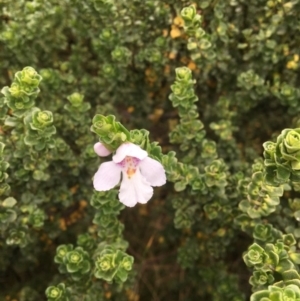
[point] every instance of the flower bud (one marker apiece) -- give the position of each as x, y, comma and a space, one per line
101, 150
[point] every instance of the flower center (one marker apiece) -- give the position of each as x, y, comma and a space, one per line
129, 166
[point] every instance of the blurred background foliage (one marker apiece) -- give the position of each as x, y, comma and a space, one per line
211, 82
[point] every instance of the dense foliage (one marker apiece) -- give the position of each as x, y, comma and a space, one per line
209, 89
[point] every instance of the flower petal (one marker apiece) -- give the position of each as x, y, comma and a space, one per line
107, 176
153, 171
101, 150
129, 149
135, 190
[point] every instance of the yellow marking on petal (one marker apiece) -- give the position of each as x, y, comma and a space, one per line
130, 172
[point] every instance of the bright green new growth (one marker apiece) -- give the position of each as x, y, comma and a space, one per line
112, 133
113, 264
57, 293
21, 94
282, 158
291, 292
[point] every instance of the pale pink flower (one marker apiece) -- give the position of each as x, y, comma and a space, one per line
101, 150
139, 173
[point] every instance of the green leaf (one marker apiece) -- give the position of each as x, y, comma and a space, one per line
290, 274
258, 296
295, 257
11, 121
8, 216
180, 186
9, 202
284, 265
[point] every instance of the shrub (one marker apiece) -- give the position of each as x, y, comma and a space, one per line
102, 102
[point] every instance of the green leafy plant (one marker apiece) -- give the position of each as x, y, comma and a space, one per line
149, 150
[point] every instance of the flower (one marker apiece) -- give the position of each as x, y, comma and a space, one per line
139, 173
101, 150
